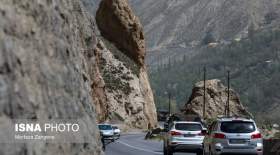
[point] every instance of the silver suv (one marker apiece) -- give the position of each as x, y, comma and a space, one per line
233, 136
184, 137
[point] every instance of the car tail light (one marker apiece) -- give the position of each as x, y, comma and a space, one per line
219, 136
256, 136
175, 133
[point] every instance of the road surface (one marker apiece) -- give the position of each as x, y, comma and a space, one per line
134, 144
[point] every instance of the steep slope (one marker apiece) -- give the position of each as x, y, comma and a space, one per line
121, 55
177, 27
54, 65
46, 50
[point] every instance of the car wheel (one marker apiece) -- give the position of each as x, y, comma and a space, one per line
169, 151
164, 151
200, 153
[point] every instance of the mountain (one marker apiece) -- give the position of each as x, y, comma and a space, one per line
253, 63
183, 36
174, 28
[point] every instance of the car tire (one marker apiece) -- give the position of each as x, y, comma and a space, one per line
169, 151
164, 151
201, 152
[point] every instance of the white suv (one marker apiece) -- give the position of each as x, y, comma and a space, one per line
184, 137
235, 136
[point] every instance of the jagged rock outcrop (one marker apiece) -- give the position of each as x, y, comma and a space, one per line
129, 98
46, 57
216, 99
121, 54
119, 25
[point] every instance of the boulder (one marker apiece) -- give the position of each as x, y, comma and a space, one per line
118, 24
216, 99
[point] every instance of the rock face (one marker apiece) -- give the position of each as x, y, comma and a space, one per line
119, 25
46, 56
128, 96
120, 58
53, 66
216, 99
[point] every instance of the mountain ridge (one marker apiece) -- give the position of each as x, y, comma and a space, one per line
180, 25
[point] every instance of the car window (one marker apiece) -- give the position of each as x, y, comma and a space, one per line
238, 127
105, 127
188, 126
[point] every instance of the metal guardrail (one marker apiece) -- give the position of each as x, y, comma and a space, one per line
271, 147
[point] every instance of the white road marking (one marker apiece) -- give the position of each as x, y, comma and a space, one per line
137, 148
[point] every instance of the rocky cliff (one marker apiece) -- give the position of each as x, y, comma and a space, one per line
118, 24
46, 56
121, 52
216, 99
53, 65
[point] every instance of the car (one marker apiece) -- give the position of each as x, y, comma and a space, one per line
117, 131
233, 135
107, 131
184, 136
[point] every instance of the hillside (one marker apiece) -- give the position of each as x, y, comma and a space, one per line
174, 28
254, 63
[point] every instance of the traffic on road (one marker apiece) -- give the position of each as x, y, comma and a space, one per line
224, 135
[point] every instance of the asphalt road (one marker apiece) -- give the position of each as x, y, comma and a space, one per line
134, 144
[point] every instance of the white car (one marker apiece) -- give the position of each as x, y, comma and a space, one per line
107, 131
117, 131
184, 137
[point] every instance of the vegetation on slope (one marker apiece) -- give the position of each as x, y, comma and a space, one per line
254, 63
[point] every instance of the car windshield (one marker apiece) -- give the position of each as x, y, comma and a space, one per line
238, 127
105, 127
188, 126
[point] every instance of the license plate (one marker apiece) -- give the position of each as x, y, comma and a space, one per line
238, 141
189, 135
